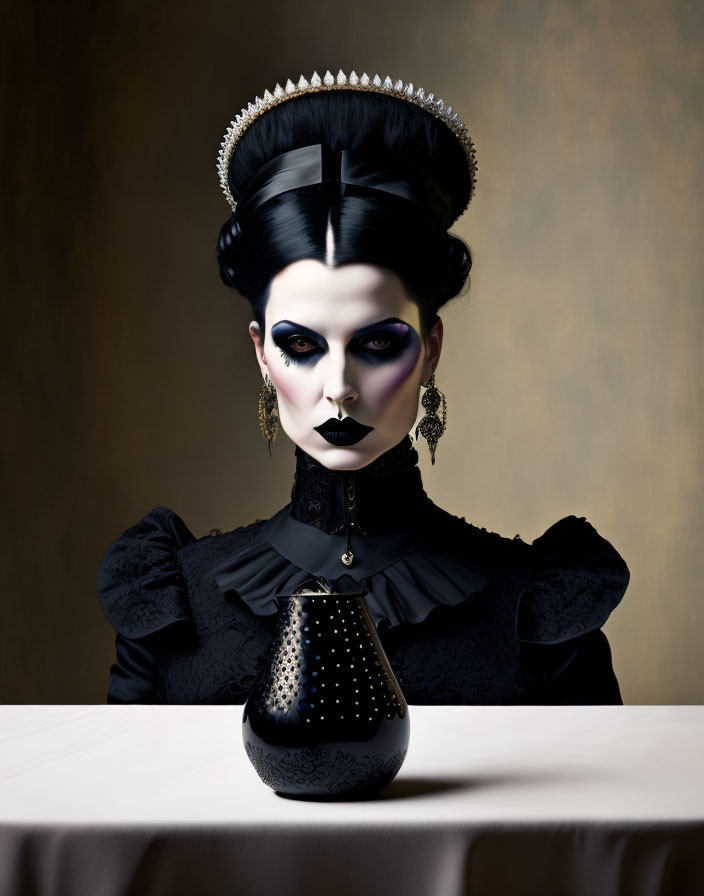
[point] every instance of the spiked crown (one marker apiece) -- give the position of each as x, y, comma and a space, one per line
398, 89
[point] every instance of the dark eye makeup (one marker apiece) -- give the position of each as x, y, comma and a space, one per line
378, 347
379, 343
297, 343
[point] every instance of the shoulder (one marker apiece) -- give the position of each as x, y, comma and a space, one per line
576, 579
144, 575
139, 582
563, 584
456, 536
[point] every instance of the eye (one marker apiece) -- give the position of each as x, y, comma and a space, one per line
298, 348
381, 346
378, 343
301, 344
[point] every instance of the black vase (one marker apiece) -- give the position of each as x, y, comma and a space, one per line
326, 718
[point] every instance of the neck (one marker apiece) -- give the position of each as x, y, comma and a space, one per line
378, 497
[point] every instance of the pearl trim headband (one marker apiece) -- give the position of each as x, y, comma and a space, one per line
353, 82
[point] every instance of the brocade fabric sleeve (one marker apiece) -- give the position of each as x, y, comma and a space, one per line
141, 592
578, 579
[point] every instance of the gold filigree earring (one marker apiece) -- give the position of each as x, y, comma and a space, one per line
431, 427
268, 411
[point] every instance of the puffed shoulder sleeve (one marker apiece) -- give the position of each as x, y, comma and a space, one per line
577, 578
139, 580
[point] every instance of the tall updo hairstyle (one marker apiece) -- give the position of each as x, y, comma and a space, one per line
368, 226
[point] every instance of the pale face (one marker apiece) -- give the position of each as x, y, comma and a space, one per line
344, 340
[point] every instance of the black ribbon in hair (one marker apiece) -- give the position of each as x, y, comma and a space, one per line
318, 164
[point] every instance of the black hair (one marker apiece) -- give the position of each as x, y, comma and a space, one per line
375, 228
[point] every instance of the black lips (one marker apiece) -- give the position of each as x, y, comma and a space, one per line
343, 432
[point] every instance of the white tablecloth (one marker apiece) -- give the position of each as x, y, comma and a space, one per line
125, 800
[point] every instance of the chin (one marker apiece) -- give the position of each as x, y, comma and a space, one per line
348, 457
351, 457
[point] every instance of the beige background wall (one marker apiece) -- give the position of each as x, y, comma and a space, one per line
573, 372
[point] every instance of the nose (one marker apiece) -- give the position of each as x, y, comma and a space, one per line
339, 386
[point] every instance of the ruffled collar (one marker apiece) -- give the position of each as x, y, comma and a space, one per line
332, 556
375, 499
404, 574
373, 529
411, 557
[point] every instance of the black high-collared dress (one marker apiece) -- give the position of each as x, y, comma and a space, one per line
466, 616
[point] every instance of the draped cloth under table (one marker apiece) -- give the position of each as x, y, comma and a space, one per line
491, 800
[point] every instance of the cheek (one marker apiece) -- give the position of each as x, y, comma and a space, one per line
293, 385
289, 390
389, 380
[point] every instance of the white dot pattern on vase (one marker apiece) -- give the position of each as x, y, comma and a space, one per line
325, 664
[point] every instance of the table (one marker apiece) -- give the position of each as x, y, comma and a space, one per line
492, 801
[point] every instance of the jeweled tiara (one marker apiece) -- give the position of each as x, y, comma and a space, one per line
280, 94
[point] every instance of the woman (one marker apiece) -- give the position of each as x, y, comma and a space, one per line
345, 189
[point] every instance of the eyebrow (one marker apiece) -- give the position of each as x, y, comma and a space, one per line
387, 322
290, 327
293, 327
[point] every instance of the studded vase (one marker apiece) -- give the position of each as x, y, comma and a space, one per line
326, 718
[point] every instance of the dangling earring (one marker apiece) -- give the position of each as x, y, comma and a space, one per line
431, 427
268, 411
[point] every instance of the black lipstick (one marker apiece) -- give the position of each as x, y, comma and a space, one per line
343, 432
